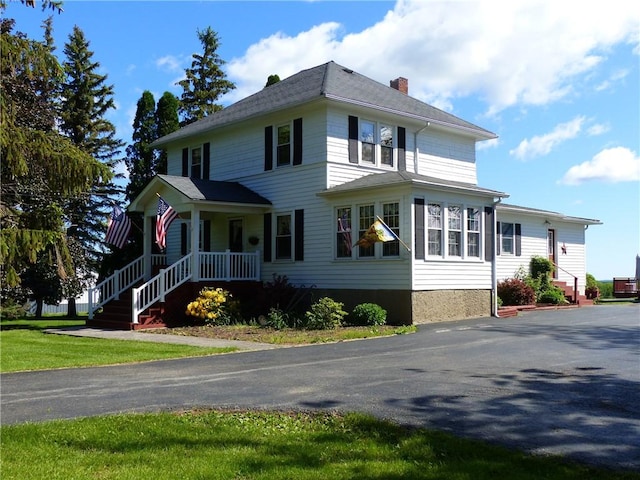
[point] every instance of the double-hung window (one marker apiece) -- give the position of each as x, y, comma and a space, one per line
454, 222
473, 232
344, 239
368, 141
196, 162
284, 145
507, 232
365, 220
434, 224
391, 217
386, 145
283, 237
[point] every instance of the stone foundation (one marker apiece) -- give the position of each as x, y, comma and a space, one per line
405, 307
442, 305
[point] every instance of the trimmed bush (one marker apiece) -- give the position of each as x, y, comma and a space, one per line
367, 314
325, 314
552, 295
516, 292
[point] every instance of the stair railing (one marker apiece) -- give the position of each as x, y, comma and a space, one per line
111, 287
155, 289
575, 281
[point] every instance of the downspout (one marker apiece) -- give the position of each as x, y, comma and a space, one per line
416, 150
494, 264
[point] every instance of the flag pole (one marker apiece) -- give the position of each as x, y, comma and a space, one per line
394, 234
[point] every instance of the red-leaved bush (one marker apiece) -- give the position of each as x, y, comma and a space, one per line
515, 292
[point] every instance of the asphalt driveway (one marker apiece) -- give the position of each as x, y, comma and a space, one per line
564, 382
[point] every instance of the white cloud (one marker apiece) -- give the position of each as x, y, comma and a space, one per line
170, 63
613, 165
598, 129
529, 54
543, 144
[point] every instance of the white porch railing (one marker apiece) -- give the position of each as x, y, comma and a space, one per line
155, 289
228, 266
111, 287
213, 266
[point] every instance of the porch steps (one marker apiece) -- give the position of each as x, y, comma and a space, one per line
116, 315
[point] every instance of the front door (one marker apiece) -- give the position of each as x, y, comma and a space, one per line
551, 248
235, 235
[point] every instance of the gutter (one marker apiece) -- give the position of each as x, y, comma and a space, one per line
494, 264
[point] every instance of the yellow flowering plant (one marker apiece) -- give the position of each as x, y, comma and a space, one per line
210, 305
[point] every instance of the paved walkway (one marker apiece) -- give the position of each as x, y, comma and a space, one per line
158, 338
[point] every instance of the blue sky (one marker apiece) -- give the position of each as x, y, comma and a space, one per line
558, 82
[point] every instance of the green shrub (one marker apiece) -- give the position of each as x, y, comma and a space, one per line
553, 295
591, 281
541, 267
10, 310
606, 289
514, 291
277, 319
367, 314
325, 314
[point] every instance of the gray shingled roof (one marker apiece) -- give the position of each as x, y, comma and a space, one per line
391, 179
333, 82
508, 208
215, 191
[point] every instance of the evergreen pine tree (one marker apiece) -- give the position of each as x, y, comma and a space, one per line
41, 169
166, 122
205, 81
86, 99
141, 158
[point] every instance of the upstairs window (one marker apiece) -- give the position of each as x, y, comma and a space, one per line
284, 145
368, 141
196, 162
386, 145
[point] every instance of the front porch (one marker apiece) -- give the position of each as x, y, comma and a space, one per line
145, 293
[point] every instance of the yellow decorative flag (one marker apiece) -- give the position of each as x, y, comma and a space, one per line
378, 232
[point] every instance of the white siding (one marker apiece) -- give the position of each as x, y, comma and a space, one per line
445, 273
534, 243
446, 156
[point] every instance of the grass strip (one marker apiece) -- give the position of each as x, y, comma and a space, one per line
24, 346
263, 445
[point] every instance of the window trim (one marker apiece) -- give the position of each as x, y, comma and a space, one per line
512, 237
377, 251
377, 145
277, 235
289, 144
446, 229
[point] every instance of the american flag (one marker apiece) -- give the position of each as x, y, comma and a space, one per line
118, 228
166, 214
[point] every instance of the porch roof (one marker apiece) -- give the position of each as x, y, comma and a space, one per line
395, 179
196, 190
520, 210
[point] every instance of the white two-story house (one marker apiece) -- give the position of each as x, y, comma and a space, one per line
286, 180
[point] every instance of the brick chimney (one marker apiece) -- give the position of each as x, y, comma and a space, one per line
401, 84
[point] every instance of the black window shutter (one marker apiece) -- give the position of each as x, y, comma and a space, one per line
299, 241
206, 160
183, 238
207, 236
488, 234
402, 149
297, 141
518, 240
268, 148
353, 139
185, 162
419, 234
498, 237
267, 237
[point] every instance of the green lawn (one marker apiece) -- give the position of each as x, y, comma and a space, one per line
262, 445
232, 445
24, 346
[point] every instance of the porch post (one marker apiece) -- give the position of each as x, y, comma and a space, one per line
195, 244
147, 234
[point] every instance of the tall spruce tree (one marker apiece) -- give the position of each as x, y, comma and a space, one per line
205, 81
166, 122
41, 169
86, 100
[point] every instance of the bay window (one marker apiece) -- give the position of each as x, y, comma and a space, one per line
473, 232
434, 225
